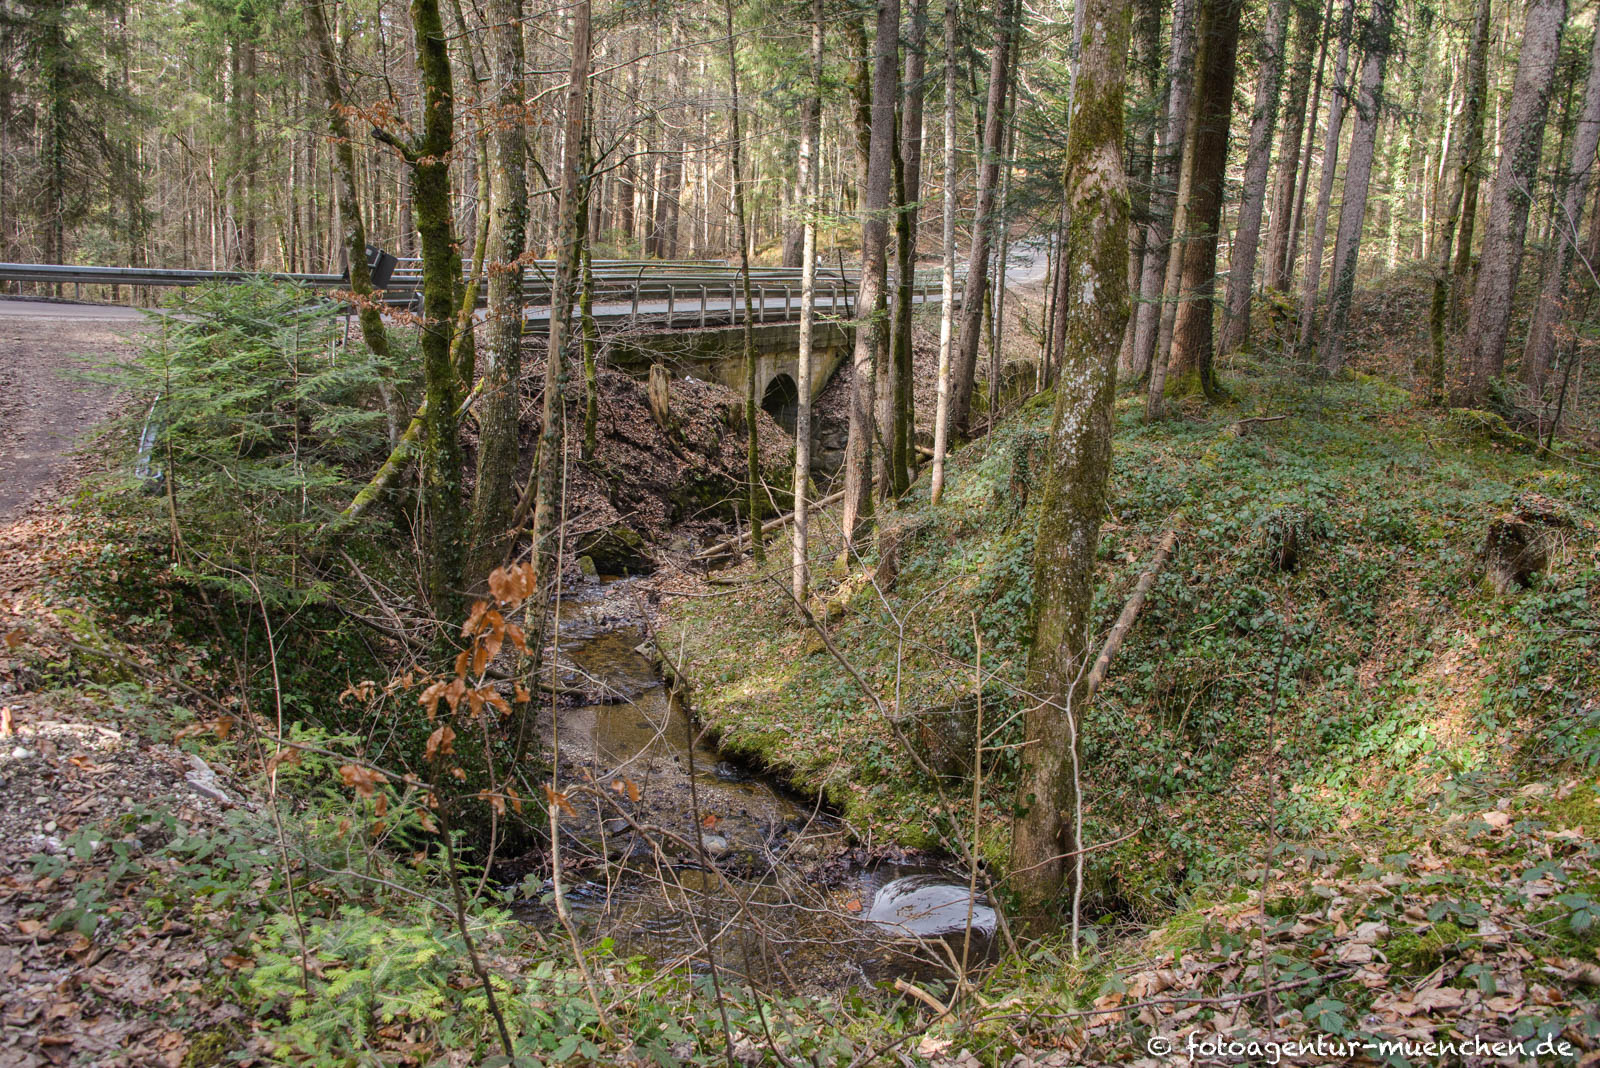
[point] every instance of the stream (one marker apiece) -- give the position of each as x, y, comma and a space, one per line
695, 850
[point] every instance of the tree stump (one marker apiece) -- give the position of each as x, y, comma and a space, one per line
658, 393
1513, 552
1517, 545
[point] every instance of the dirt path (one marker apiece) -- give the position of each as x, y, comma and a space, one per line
46, 408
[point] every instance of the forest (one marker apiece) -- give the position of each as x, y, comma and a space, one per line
969, 533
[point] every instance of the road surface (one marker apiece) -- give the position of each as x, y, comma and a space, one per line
46, 405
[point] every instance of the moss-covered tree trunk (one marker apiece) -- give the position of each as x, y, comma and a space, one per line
1189, 369
499, 410
429, 156
1047, 831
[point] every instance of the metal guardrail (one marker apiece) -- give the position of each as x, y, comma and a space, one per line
667, 294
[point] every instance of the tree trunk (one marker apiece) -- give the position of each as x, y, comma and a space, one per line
1463, 150
941, 417
810, 174
1311, 22
1475, 110
1538, 356
1490, 319
1189, 368
499, 409
1047, 833
344, 168
1330, 166
1258, 158
871, 310
569, 207
751, 428
977, 282
909, 187
1375, 46
441, 264
1159, 234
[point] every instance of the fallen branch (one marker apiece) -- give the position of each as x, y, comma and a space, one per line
939, 1007
738, 541
1241, 426
1130, 610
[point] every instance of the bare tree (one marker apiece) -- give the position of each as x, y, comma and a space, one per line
1539, 354
1258, 159
1311, 51
810, 171
941, 420
1375, 47
1463, 150
1164, 197
1511, 196
977, 281
1330, 165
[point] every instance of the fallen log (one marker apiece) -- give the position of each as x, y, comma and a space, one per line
1130, 610
739, 540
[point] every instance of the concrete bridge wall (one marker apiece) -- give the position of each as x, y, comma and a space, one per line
716, 354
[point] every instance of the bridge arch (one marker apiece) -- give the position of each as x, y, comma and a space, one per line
781, 400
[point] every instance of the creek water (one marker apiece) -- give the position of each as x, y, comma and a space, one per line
690, 852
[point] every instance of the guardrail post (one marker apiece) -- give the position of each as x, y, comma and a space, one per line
670, 293
788, 303
702, 307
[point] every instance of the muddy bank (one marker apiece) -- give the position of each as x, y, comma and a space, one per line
650, 486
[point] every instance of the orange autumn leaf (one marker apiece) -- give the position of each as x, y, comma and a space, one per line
560, 801
363, 781
710, 821
440, 743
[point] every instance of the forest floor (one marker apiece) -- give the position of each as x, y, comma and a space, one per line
1435, 742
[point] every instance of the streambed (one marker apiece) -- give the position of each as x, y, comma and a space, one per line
690, 850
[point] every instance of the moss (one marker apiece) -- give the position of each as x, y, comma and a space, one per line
207, 1048
1416, 953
